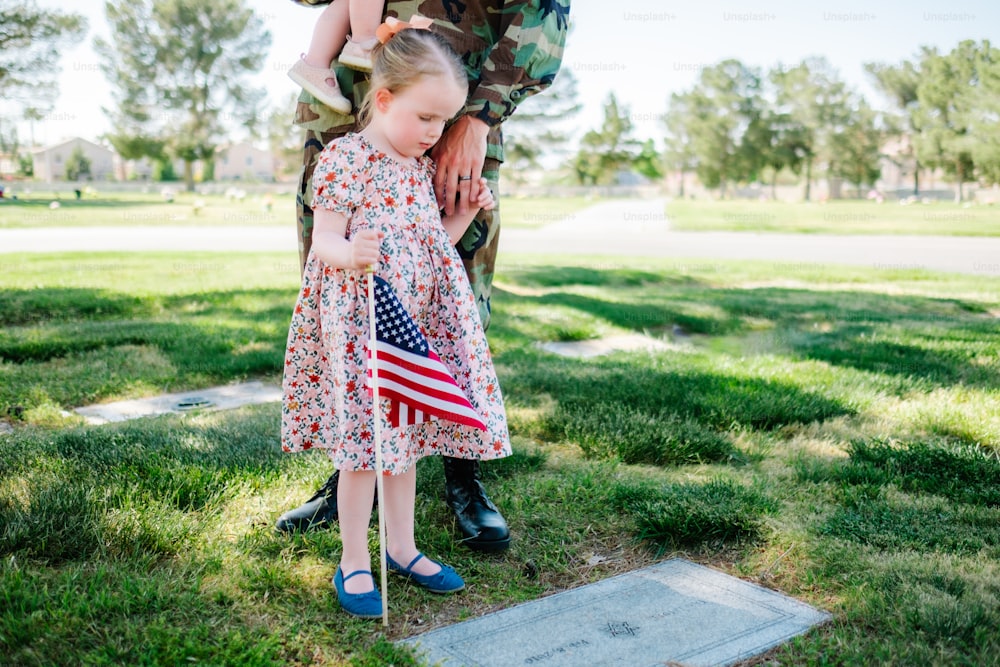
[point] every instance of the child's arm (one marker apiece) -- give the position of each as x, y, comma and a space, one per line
331, 245
456, 223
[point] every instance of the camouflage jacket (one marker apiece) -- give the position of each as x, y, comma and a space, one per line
512, 49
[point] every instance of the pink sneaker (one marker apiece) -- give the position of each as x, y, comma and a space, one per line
321, 83
357, 55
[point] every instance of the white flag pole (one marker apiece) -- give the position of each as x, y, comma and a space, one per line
373, 365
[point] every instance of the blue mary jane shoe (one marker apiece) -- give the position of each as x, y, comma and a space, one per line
445, 581
362, 605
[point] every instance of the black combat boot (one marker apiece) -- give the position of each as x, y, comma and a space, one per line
318, 513
483, 527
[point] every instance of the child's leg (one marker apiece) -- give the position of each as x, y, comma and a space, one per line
365, 17
329, 34
354, 503
400, 499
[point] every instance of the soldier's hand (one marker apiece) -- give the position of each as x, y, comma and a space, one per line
459, 156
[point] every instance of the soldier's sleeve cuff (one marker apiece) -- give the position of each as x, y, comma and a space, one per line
481, 109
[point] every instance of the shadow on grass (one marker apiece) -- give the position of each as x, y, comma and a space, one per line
75, 346
617, 390
962, 472
868, 517
894, 335
20, 307
130, 490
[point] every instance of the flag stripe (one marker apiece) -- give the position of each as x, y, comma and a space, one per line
441, 409
419, 384
403, 376
430, 403
407, 417
414, 379
416, 368
406, 385
405, 390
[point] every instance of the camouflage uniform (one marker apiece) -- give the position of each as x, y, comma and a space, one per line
511, 51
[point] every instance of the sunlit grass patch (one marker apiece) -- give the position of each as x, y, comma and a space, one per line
831, 433
834, 217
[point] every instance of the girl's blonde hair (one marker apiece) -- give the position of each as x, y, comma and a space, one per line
404, 59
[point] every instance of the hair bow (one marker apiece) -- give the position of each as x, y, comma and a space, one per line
393, 25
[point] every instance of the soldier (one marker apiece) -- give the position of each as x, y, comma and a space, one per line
511, 50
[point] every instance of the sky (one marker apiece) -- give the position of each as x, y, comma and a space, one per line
641, 50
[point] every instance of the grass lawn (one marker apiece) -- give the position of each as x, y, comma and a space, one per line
534, 212
835, 217
34, 209
832, 434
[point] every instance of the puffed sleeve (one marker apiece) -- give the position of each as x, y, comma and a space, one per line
340, 176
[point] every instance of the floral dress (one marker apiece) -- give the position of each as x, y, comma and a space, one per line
327, 402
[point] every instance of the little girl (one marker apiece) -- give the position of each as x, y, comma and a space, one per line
330, 41
374, 204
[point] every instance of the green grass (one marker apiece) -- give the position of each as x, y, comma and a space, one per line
830, 433
534, 212
183, 321
34, 209
129, 209
835, 217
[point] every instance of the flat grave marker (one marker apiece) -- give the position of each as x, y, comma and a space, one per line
672, 613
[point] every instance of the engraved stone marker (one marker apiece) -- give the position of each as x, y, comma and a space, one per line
215, 398
673, 613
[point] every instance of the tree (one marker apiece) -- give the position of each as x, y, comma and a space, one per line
814, 100
605, 152
284, 139
77, 165
900, 83
945, 111
715, 116
678, 153
25, 165
857, 149
537, 128
985, 111
649, 161
30, 42
785, 146
181, 69
33, 114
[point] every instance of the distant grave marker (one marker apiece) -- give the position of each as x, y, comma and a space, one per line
214, 398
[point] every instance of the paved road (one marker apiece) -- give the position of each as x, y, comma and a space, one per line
639, 228
626, 228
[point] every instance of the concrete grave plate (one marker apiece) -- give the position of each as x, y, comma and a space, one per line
600, 346
673, 613
215, 398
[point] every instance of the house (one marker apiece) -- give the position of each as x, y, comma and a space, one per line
897, 164
50, 162
244, 162
8, 164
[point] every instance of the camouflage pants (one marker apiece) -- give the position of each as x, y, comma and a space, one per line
478, 247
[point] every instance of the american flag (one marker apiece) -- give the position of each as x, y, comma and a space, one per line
410, 374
